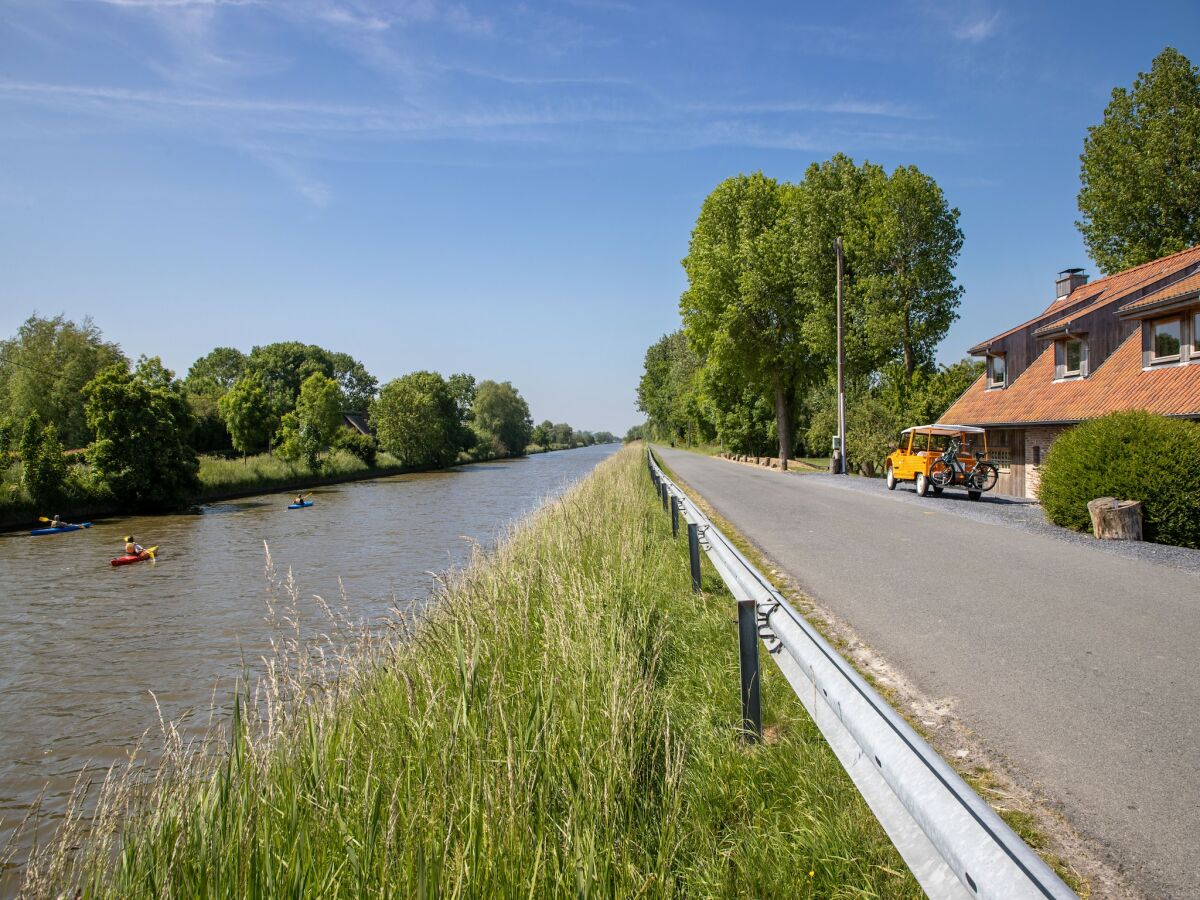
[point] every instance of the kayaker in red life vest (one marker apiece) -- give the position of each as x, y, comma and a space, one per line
132, 547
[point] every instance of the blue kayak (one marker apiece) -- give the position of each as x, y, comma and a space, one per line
60, 529
300, 505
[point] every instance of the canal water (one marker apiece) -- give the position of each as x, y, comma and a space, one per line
85, 648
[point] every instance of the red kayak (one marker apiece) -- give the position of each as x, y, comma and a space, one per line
126, 560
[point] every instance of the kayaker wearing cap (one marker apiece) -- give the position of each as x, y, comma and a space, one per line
56, 522
132, 547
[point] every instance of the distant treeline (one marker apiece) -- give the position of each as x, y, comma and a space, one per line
140, 429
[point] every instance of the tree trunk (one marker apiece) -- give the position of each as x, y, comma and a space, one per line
783, 422
1116, 520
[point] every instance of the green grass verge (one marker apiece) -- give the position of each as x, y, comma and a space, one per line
218, 474
562, 721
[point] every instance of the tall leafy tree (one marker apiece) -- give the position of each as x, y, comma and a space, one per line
44, 367
312, 427
907, 242
142, 423
741, 309
216, 372
669, 388
501, 412
248, 413
45, 473
543, 434
416, 419
357, 385
1140, 176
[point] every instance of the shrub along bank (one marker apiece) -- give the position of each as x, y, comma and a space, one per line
1130, 455
563, 721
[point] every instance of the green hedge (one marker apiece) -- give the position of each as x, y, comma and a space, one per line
1132, 456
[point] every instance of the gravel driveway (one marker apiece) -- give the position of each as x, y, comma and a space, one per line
1073, 659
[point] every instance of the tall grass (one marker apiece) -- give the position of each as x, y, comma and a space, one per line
562, 720
218, 474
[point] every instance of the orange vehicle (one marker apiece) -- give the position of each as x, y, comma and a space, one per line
941, 456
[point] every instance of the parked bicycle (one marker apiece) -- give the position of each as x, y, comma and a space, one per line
948, 470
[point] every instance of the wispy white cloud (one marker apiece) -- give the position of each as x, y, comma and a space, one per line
978, 28
304, 184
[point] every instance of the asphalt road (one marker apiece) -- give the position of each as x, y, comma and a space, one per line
1077, 665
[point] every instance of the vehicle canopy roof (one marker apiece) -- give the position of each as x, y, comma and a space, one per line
943, 429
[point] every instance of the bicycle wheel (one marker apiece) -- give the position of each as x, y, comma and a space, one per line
984, 477
940, 473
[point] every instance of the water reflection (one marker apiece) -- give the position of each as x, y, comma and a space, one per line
83, 644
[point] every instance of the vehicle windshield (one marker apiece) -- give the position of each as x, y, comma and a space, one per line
937, 443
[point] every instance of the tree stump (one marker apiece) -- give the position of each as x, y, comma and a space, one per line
867, 469
1116, 520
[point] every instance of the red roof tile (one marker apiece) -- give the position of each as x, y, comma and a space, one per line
1176, 291
1120, 383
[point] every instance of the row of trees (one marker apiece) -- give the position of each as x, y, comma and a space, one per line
753, 365
144, 428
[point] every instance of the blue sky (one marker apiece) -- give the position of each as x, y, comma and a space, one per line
507, 189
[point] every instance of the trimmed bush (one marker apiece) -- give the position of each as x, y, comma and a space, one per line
1129, 455
364, 446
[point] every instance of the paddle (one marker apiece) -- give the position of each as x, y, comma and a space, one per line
150, 551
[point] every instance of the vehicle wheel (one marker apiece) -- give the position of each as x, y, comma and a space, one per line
937, 491
922, 484
940, 474
973, 495
984, 477
891, 478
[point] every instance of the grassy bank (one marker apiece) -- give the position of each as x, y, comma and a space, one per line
219, 475
561, 722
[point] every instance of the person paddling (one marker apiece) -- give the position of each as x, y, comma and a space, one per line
56, 522
132, 547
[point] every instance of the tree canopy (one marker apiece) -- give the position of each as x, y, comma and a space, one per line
1139, 197
312, 427
417, 419
215, 373
44, 368
501, 412
142, 424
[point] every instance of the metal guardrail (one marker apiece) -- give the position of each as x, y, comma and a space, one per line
954, 843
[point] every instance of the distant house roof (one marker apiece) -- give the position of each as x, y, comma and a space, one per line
357, 421
1121, 383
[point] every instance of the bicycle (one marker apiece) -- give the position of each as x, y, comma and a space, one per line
948, 470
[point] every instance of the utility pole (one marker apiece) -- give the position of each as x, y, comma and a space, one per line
841, 392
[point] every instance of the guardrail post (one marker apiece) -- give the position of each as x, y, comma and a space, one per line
694, 554
748, 652
674, 517
665, 494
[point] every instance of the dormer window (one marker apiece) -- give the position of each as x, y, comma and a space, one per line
1165, 340
995, 372
1071, 358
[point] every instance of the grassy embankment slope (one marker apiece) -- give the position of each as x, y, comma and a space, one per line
562, 722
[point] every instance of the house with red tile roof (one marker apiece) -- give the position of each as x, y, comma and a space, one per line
1127, 341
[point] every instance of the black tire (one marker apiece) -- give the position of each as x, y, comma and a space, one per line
941, 474
937, 491
891, 478
922, 484
983, 477
973, 495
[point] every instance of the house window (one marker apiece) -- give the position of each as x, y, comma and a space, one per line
1165, 340
1073, 357
1195, 335
995, 371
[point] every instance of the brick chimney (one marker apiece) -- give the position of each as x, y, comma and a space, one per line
1068, 280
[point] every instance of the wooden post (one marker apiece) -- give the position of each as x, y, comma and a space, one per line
1116, 520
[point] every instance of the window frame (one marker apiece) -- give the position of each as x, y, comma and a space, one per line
1194, 344
1175, 357
1077, 372
992, 383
